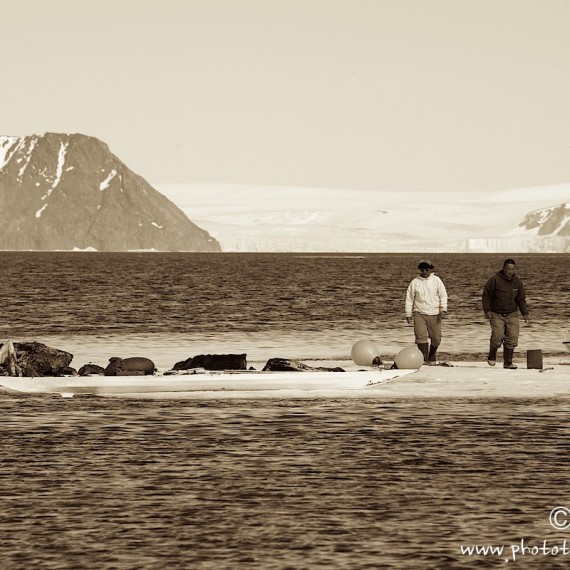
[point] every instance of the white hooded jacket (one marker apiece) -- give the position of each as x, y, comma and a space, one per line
426, 295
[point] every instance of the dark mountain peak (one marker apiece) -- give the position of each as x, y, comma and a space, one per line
68, 191
553, 221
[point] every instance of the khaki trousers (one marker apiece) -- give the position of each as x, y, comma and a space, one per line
427, 327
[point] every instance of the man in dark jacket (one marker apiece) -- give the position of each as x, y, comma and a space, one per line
503, 297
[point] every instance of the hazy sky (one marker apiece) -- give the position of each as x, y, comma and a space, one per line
369, 94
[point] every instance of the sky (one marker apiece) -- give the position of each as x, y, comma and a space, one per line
390, 95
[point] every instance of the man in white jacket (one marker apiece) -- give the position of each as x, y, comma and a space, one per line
426, 306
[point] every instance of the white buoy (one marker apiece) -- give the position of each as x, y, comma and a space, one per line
409, 357
365, 353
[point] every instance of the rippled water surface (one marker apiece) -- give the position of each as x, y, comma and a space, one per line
229, 483
172, 306
127, 484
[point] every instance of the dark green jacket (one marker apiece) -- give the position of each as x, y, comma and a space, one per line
502, 295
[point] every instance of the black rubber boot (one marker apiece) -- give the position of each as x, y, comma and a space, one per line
431, 356
492, 358
508, 357
423, 346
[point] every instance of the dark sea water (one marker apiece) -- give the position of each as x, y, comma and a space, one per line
280, 484
172, 306
273, 483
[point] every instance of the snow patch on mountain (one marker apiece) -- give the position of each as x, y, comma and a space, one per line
7, 149
60, 163
32, 142
40, 211
107, 182
553, 221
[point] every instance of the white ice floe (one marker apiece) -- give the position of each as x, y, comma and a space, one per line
459, 380
478, 380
